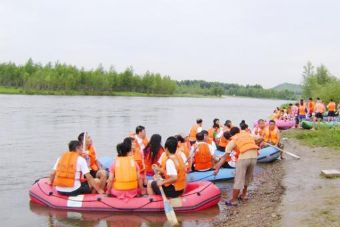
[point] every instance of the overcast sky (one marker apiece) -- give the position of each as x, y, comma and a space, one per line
248, 42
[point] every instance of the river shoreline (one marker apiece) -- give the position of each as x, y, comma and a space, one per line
290, 192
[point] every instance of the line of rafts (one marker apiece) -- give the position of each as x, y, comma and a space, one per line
200, 193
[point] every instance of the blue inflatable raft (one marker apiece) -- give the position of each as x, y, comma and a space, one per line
223, 174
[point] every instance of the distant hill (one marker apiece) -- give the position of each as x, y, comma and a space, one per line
296, 88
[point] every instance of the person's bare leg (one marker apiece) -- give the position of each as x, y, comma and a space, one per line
149, 188
236, 193
96, 182
101, 175
244, 195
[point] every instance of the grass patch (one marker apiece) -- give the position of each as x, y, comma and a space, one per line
12, 90
323, 137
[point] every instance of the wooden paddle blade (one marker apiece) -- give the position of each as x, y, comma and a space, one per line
291, 154
170, 213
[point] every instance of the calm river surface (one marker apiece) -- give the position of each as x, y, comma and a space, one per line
36, 129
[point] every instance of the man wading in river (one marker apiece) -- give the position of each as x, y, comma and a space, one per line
245, 164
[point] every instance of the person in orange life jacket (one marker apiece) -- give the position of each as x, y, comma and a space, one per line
183, 150
245, 125
231, 160
214, 130
67, 172
209, 141
124, 181
203, 155
183, 145
302, 110
259, 129
89, 153
311, 107
245, 163
152, 153
272, 134
331, 110
224, 140
194, 130
173, 170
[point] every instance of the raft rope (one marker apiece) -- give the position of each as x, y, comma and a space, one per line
99, 199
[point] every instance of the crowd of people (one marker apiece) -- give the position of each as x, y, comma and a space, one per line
314, 110
78, 171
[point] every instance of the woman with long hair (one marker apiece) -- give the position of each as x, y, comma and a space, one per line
152, 153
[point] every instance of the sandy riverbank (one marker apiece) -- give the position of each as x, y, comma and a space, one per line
290, 193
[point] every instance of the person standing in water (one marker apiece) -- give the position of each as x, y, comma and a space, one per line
245, 164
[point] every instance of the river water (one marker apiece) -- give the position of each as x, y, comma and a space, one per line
36, 129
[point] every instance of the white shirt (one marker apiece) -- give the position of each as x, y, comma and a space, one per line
140, 143
182, 156
81, 168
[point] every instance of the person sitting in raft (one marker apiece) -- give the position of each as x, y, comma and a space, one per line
208, 140
90, 155
173, 171
214, 130
152, 153
194, 130
124, 181
232, 158
68, 170
224, 140
259, 129
203, 155
331, 110
141, 138
245, 164
243, 122
183, 145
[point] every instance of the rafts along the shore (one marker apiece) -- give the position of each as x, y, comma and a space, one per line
197, 196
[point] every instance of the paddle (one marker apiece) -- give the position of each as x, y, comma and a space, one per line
289, 153
168, 209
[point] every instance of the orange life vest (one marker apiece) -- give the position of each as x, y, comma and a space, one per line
203, 157
259, 131
66, 170
180, 183
311, 106
302, 110
138, 157
331, 106
184, 148
223, 142
192, 133
93, 158
125, 172
148, 162
244, 142
271, 136
319, 108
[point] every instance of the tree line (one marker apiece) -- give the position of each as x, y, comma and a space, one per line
319, 82
36, 77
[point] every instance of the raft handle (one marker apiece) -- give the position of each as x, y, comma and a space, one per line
50, 193
198, 193
150, 200
99, 199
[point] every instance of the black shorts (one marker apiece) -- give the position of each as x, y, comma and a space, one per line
331, 113
93, 173
169, 191
220, 148
83, 189
297, 121
192, 142
319, 116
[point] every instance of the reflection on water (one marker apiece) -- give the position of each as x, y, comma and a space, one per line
91, 219
35, 130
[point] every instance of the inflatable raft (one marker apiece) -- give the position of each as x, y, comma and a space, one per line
267, 154
223, 174
285, 124
197, 196
309, 124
